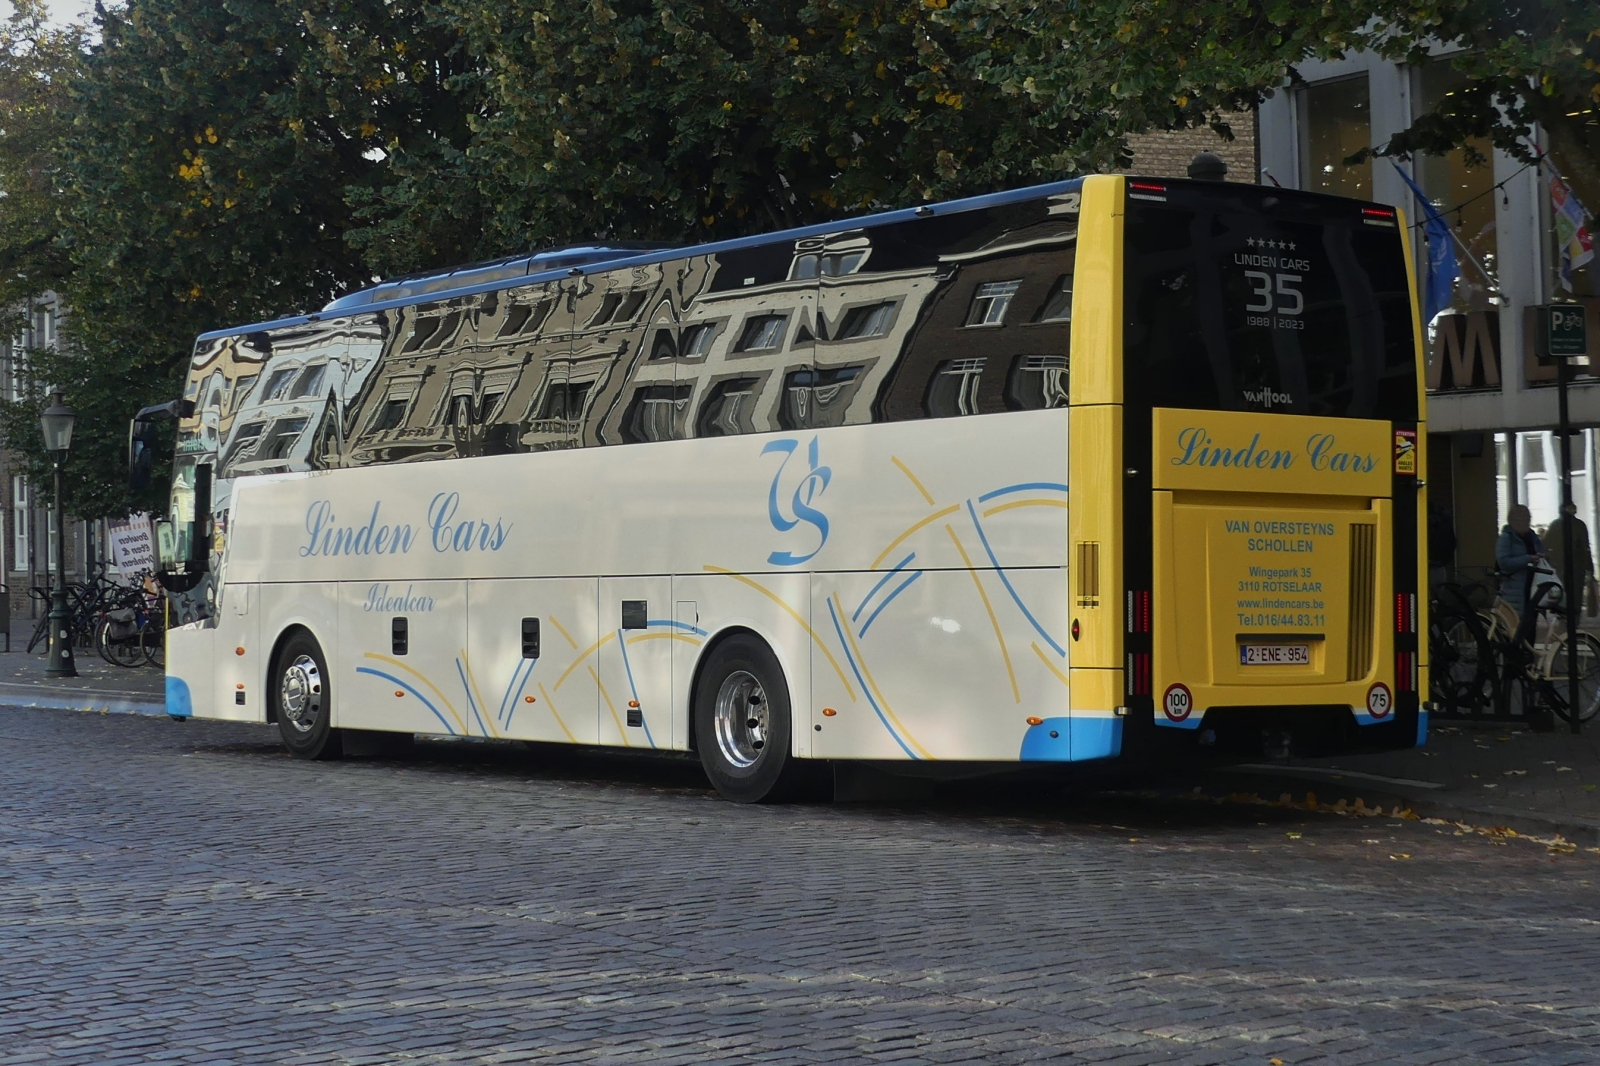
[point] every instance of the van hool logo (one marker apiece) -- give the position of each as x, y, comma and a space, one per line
1267, 398
1322, 452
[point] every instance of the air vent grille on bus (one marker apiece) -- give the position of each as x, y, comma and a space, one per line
1088, 573
1363, 576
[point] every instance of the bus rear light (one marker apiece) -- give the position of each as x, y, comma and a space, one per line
1405, 612
1378, 216
1405, 671
1138, 611
1147, 190
1139, 673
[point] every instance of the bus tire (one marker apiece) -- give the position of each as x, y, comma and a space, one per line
742, 723
303, 700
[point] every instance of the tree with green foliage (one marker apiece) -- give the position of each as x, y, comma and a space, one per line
205, 179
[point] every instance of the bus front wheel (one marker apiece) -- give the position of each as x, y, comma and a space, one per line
303, 701
743, 725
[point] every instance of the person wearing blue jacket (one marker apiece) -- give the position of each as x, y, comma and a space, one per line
1517, 552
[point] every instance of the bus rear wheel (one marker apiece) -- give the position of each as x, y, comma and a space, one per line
302, 700
742, 723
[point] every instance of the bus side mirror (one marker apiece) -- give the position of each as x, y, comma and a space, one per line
141, 454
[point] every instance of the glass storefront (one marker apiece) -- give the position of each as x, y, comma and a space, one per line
1336, 123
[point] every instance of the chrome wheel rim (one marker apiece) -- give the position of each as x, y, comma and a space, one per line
301, 693
741, 719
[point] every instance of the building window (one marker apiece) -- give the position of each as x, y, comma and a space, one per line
990, 302
762, 333
954, 388
1058, 305
869, 321
20, 525
1462, 193
1335, 124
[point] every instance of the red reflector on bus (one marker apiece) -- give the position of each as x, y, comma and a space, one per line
1147, 186
1147, 190
1405, 664
1378, 216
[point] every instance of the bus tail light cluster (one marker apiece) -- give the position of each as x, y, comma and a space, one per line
1405, 612
1405, 671
1378, 216
1138, 628
1405, 627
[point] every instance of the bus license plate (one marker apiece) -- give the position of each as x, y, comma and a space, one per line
1274, 655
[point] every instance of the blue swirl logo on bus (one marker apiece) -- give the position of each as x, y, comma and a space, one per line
445, 531
812, 483
1197, 448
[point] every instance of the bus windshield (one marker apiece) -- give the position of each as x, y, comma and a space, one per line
1242, 298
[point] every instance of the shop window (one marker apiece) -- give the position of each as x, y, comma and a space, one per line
1335, 124
1461, 185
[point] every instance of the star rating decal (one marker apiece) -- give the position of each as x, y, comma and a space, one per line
1267, 242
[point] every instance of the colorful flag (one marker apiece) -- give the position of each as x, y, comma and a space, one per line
1442, 267
1572, 235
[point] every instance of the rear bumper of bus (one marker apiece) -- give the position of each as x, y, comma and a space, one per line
1300, 730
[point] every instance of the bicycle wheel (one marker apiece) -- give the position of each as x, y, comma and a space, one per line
1462, 677
155, 645
1588, 679
117, 646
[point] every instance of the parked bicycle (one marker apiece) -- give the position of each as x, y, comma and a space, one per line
1484, 654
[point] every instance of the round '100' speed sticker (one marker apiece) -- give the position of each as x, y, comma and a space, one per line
1379, 700
1178, 702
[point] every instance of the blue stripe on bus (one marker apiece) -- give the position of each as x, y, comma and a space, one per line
471, 703
425, 701
519, 686
901, 565
1007, 582
886, 601
1027, 486
845, 644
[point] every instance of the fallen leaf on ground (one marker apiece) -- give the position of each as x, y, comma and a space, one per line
1402, 855
1516, 773
1292, 835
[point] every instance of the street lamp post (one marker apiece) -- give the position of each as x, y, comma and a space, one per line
57, 424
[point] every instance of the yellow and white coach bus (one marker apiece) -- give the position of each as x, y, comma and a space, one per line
1049, 475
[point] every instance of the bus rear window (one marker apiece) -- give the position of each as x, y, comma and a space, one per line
1241, 298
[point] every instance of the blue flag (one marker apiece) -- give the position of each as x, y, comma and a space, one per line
1442, 267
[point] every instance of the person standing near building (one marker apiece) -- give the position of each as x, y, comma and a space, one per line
1556, 545
1517, 552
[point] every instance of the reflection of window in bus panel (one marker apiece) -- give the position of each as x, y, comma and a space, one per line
761, 333
696, 340
990, 301
391, 415
1058, 305
280, 441
245, 438
241, 391
278, 384
564, 400
816, 397
954, 388
728, 408
869, 321
1037, 382
310, 381
656, 412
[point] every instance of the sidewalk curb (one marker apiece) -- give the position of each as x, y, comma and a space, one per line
84, 700
1579, 830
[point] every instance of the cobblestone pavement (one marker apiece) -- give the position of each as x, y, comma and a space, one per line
187, 893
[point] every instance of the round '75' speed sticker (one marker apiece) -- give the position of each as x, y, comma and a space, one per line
1379, 701
1178, 703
